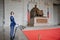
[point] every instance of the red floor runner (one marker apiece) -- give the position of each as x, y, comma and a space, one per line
47, 34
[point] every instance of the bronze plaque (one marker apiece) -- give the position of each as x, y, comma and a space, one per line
41, 20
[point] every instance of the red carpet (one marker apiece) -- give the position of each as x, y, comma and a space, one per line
47, 34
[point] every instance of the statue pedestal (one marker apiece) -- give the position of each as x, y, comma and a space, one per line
40, 21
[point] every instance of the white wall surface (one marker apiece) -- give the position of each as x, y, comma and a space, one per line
56, 1
20, 10
55, 15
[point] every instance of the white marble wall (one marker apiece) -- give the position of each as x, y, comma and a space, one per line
20, 10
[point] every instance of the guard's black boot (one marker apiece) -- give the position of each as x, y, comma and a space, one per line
11, 38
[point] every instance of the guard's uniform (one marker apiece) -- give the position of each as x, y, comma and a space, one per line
12, 25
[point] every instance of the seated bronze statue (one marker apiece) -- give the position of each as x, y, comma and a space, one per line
35, 12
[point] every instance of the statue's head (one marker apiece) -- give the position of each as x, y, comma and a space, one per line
35, 6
